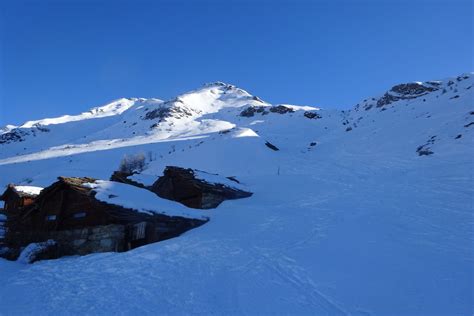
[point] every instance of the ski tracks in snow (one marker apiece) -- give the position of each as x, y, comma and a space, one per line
291, 273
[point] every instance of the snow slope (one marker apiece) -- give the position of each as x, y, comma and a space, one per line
367, 211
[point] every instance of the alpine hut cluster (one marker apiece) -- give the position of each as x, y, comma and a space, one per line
78, 216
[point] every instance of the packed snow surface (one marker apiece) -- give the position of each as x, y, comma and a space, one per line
367, 211
141, 200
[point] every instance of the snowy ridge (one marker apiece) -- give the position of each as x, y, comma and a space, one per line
114, 108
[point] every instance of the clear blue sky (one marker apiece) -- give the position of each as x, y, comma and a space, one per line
63, 57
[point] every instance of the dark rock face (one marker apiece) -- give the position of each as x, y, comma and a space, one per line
181, 185
406, 91
281, 109
271, 146
251, 110
255, 98
157, 113
422, 151
15, 135
412, 89
41, 128
19, 134
469, 124
174, 108
425, 150
312, 115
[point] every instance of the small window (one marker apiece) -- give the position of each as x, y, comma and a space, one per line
51, 217
139, 230
79, 215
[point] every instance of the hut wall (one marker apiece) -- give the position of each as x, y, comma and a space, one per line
79, 210
66, 209
211, 200
27, 201
77, 241
12, 203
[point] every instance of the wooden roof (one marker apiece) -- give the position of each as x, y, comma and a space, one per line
11, 188
72, 182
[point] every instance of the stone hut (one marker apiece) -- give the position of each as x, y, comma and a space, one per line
17, 197
197, 189
69, 213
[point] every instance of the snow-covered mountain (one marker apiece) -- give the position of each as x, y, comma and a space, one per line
367, 211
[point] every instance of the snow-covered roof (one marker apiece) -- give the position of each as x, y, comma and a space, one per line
141, 200
25, 190
216, 179
28, 190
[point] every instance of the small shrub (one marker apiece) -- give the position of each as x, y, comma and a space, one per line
132, 163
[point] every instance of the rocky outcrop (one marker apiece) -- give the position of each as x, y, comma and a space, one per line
251, 110
406, 91
425, 149
281, 109
182, 185
20, 134
15, 135
271, 146
174, 108
312, 115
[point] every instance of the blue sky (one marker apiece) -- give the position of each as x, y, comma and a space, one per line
64, 57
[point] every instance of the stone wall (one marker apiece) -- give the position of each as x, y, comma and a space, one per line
89, 240
81, 241
210, 200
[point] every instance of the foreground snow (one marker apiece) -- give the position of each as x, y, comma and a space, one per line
342, 221
323, 248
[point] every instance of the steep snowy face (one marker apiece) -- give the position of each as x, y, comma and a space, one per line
210, 99
134, 116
